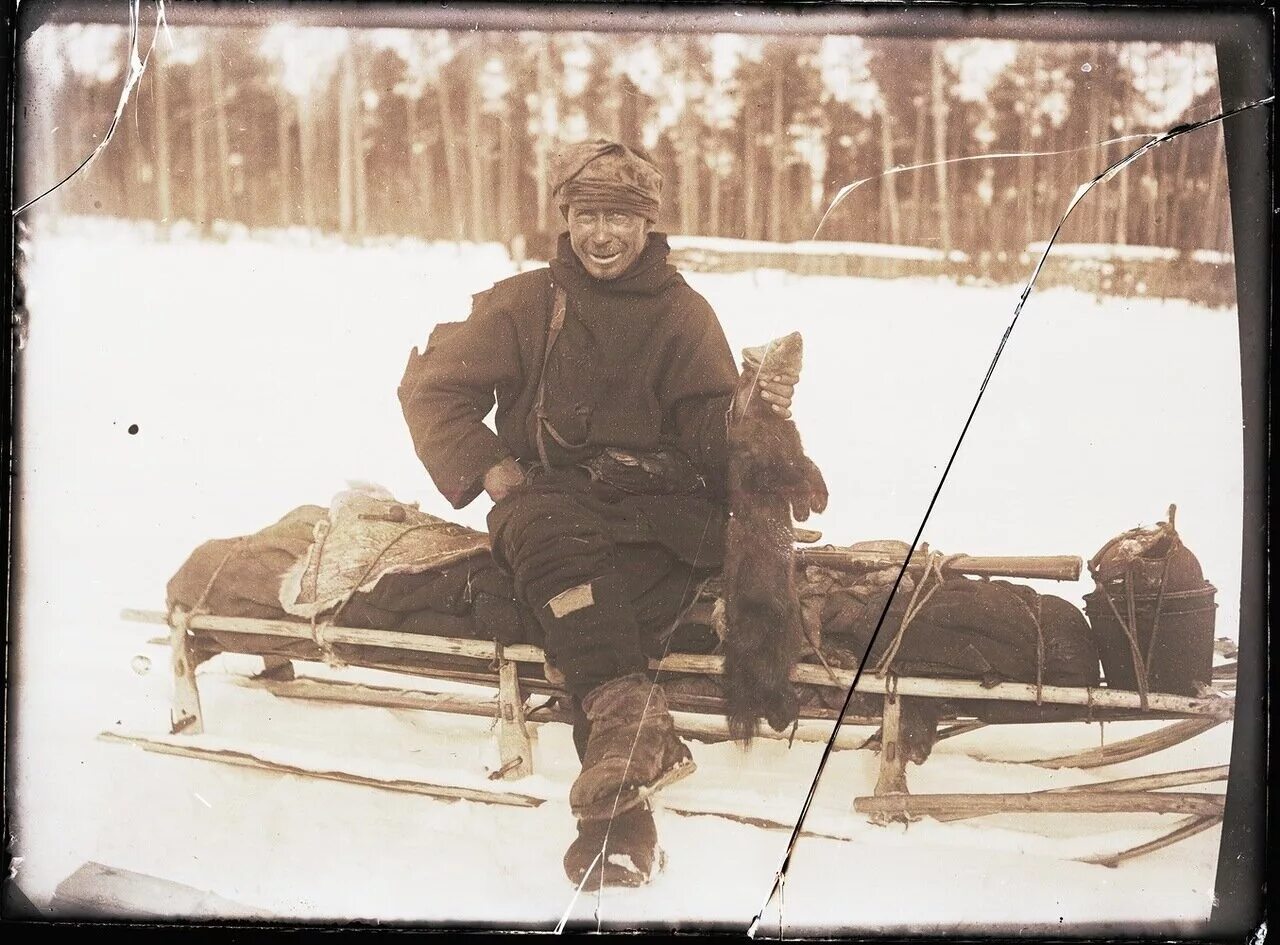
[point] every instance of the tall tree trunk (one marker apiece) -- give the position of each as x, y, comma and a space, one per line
542, 151
1026, 187
284, 168
1122, 210
689, 160
306, 159
139, 199
448, 140
629, 110
359, 171
431, 202
889, 183
917, 176
750, 171
1174, 208
1121, 235
346, 146
413, 160
1213, 236
222, 134
1031, 144
778, 156
1151, 231
1097, 134
940, 148
38, 178
164, 191
199, 161
475, 161
508, 194
713, 225
615, 106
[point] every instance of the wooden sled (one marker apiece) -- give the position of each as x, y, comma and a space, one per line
516, 671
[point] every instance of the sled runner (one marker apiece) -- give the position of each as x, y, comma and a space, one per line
516, 673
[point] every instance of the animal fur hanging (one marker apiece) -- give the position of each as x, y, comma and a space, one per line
770, 481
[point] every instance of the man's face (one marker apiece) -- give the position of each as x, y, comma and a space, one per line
607, 242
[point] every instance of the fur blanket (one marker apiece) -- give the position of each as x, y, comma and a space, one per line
366, 536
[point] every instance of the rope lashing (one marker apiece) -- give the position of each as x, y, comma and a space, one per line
1155, 620
933, 566
232, 552
1036, 616
331, 657
1130, 632
317, 629
179, 618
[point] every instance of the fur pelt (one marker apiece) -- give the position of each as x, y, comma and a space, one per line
770, 481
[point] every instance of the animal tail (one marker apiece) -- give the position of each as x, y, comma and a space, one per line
760, 649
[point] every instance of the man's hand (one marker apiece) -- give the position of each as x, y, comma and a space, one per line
502, 478
777, 390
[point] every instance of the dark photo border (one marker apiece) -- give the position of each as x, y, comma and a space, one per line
1243, 35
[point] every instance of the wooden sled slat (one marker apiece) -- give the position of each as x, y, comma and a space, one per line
426, 788
714, 665
1083, 802
1131, 748
1151, 782
247, 759
1189, 828
700, 728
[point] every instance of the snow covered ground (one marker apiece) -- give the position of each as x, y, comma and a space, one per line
260, 373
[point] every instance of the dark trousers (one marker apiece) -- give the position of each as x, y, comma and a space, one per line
604, 596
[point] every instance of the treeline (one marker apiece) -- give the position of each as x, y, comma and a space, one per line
449, 135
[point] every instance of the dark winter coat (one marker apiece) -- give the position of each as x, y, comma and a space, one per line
641, 362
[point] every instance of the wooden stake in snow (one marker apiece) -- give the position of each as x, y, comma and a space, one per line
515, 748
185, 716
893, 762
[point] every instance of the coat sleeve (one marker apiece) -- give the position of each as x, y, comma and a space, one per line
447, 392
697, 387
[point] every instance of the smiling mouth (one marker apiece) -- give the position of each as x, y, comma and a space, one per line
605, 260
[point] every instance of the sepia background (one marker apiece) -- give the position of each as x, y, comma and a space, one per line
448, 135
219, 306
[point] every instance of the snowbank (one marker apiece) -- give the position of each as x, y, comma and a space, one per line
179, 390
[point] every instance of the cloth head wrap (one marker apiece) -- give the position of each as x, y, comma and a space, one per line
606, 175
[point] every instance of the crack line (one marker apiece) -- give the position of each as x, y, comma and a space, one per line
1105, 175
137, 66
999, 155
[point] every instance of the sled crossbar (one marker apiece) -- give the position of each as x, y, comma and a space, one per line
1095, 697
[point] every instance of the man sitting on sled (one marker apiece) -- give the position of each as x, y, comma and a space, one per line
613, 380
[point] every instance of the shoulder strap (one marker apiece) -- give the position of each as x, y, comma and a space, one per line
553, 332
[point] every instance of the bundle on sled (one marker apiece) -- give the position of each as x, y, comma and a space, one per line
367, 561
941, 622
1152, 612
370, 561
